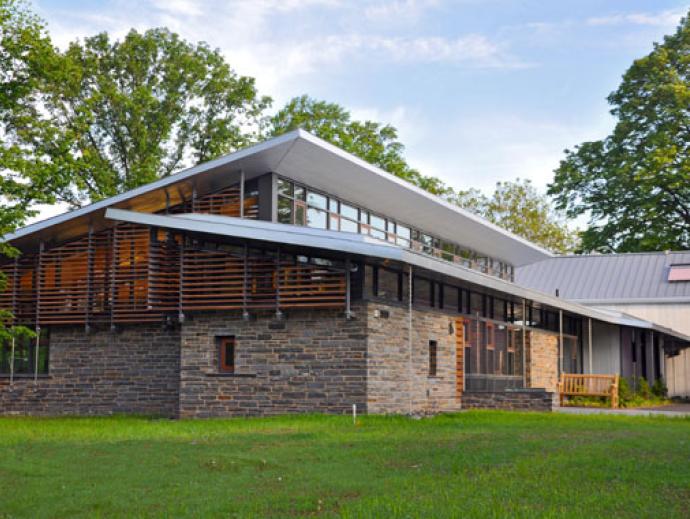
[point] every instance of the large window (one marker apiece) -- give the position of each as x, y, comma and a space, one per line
299, 205
24, 359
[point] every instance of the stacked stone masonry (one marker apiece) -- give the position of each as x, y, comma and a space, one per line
308, 361
510, 400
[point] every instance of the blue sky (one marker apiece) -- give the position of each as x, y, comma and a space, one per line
480, 90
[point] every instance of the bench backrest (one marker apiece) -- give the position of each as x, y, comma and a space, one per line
592, 385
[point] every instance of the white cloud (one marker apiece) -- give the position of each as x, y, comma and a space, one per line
397, 10
666, 18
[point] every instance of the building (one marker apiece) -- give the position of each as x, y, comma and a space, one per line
654, 286
287, 277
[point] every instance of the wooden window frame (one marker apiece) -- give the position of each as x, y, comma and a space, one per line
223, 366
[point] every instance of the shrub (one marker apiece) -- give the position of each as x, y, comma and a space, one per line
625, 394
643, 388
659, 388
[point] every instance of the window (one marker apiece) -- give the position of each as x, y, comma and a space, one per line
25, 355
679, 273
284, 209
403, 234
226, 354
316, 200
316, 218
433, 358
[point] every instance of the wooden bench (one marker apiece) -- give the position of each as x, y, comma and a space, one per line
573, 384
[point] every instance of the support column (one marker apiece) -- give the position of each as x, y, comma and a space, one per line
279, 313
245, 287
589, 342
348, 291
409, 338
560, 342
524, 343
241, 193
89, 281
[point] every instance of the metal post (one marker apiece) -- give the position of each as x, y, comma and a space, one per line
38, 345
409, 336
524, 343
591, 363
12, 362
242, 193
89, 280
180, 288
279, 314
348, 295
245, 313
560, 341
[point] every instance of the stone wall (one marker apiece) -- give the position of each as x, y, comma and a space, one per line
309, 361
511, 400
398, 381
542, 360
133, 371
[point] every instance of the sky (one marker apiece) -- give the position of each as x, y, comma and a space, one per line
480, 90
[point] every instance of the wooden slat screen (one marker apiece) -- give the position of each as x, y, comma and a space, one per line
19, 295
215, 279
133, 274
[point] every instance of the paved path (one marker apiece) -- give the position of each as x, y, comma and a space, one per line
677, 410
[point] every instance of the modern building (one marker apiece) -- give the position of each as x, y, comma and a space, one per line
654, 286
289, 277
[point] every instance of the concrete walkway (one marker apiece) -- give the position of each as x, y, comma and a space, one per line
677, 410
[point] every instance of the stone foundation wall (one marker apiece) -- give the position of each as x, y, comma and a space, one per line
511, 400
398, 380
542, 360
133, 371
308, 362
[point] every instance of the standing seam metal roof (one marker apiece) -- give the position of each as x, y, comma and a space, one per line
608, 277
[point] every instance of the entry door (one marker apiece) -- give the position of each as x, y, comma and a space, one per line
459, 357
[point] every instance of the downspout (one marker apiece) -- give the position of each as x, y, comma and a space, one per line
591, 362
524, 344
409, 338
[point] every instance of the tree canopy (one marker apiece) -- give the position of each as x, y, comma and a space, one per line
635, 183
106, 116
103, 116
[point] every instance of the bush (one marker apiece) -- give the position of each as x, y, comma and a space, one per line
643, 388
659, 388
625, 394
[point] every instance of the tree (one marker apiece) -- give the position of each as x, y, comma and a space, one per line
106, 116
518, 207
21, 33
635, 183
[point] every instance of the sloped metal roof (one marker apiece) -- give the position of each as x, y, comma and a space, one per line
360, 245
303, 157
609, 278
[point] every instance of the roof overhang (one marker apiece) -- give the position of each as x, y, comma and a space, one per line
355, 244
304, 158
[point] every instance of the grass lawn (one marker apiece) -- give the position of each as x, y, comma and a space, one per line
474, 464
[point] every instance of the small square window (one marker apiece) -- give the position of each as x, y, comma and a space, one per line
226, 354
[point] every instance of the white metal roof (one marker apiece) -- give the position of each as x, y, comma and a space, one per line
305, 158
357, 244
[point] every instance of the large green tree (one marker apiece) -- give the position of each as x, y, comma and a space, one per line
106, 116
635, 183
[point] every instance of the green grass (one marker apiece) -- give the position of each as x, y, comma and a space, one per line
475, 464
